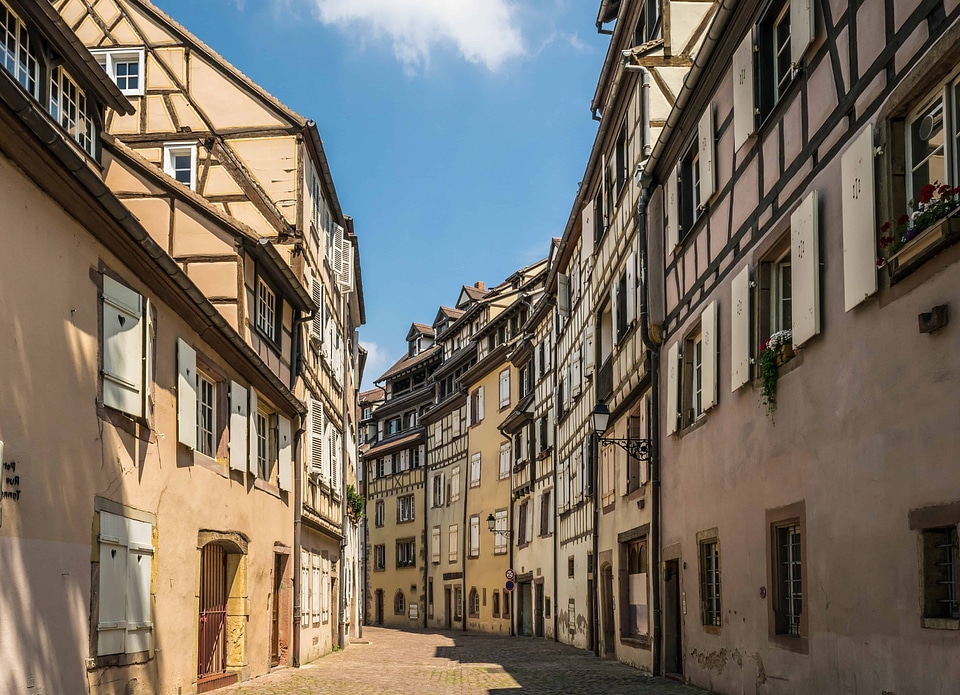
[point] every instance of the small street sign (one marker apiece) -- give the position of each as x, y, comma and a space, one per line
508, 586
511, 575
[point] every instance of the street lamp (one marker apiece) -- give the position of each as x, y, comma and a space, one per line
637, 448
492, 526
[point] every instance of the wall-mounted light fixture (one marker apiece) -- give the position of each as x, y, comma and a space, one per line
637, 448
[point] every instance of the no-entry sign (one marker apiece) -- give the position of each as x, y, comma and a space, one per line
510, 575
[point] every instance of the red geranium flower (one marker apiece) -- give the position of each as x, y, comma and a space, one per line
945, 188
903, 219
885, 227
926, 193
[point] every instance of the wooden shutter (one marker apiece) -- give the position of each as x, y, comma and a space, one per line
805, 262
480, 404
743, 97
252, 460
186, 395
859, 220
615, 310
149, 344
316, 291
238, 427
123, 348
586, 231
474, 535
139, 566
304, 588
673, 387
435, 543
335, 459
346, 264
443, 489
576, 376
673, 212
469, 410
740, 320
589, 354
563, 295
504, 388
112, 621
706, 141
316, 437
631, 300
285, 454
802, 28
708, 328
337, 260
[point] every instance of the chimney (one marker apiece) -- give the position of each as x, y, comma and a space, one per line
480, 286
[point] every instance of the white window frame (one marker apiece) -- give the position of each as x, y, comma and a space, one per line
777, 299
26, 73
68, 106
108, 59
405, 508
206, 386
267, 314
176, 149
948, 94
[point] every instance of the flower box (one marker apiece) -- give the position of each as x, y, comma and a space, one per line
926, 244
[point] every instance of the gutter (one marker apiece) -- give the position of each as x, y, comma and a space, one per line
297, 531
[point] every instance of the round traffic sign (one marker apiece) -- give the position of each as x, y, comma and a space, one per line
508, 586
510, 574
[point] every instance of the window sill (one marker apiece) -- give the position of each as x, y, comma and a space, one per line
211, 464
940, 624
693, 426
118, 660
927, 244
640, 641
272, 490
800, 645
271, 342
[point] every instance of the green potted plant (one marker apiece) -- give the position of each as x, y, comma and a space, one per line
774, 351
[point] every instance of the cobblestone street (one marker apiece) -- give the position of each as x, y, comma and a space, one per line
408, 663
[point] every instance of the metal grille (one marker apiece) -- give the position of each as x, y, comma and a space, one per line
212, 653
790, 577
710, 582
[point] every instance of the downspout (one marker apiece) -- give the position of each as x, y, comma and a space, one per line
510, 536
594, 483
556, 489
654, 350
427, 492
298, 510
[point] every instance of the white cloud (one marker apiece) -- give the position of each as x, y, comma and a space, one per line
484, 32
377, 363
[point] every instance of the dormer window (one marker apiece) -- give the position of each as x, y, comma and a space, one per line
68, 105
16, 52
125, 67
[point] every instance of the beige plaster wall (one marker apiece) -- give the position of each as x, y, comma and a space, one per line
66, 456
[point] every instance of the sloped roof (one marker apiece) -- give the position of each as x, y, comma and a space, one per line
372, 396
406, 362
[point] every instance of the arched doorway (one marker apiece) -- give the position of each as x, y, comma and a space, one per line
212, 641
606, 608
221, 609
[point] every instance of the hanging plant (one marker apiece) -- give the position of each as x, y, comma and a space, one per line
770, 358
356, 502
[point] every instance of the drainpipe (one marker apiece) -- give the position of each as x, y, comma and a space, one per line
556, 489
427, 492
297, 507
654, 349
594, 483
510, 536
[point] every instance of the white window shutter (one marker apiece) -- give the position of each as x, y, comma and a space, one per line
743, 98
316, 291
112, 622
316, 436
740, 319
346, 265
150, 334
252, 460
186, 395
673, 387
238, 427
707, 141
586, 230
631, 302
304, 589
469, 411
673, 212
859, 220
563, 295
123, 348
576, 376
335, 460
802, 28
615, 310
708, 328
285, 454
589, 355
337, 260
443, 489
805, 262
504, 388
139, 564
480, 405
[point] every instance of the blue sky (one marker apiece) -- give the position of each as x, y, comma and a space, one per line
457, 130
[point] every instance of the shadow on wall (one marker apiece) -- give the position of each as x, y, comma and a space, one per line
57, 457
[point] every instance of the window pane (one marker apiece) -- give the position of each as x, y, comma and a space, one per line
926, 148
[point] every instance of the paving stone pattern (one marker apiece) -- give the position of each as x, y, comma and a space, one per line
394, 662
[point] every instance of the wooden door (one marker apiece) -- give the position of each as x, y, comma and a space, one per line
212, 652
275, 611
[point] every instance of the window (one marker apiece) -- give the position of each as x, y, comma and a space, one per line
457, 603
325, 588
496, 603
429, 597
399, 603
393, 426
453, 539
380, 468
634, 616
206, 415
18, 56
689, 188
378, 515
125, 68
624, 320
941, 600
435, 545
68, 106
636, 430
415, 458
437, 488
180, 162
475, 470
620, 157
933, 141
648, 25
774, 62
379, 558
405, 509
126, 551
474, 550
570, 567
406, 553
267, 311
366, 413
693, 377
522, 514
710, 583
505, 460
473, 608
475, 407
455, 484
501, 538
266, 436
126, 356
789, 579
546, 514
